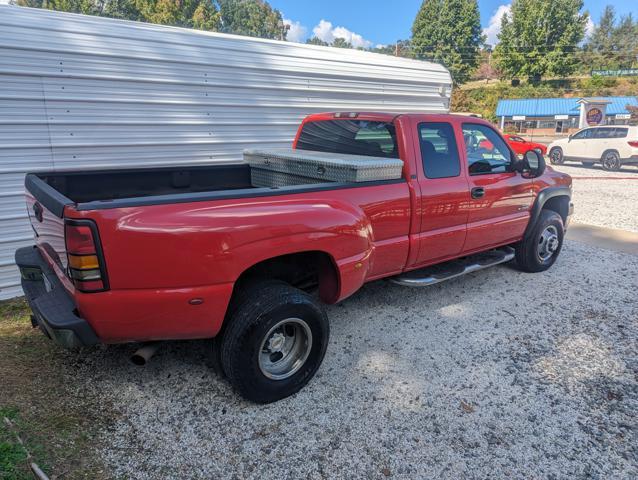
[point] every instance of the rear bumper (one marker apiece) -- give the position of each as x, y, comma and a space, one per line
53, 308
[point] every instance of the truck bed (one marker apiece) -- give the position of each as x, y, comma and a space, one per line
102, 189
91, 186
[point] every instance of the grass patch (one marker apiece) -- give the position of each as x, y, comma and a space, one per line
57, 421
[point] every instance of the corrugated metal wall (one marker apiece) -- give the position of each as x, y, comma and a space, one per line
88, 92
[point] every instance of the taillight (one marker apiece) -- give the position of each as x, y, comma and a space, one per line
633, 144
84, 254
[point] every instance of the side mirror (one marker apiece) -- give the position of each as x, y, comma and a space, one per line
533, 163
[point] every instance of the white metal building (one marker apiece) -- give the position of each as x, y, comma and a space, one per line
80, 92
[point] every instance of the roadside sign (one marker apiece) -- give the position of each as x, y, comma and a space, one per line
561, 117
625, 72
518, 117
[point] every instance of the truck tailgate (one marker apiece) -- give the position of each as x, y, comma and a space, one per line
46, 211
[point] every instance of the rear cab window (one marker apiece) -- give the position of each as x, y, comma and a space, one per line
354, 137
439, 153
486, 151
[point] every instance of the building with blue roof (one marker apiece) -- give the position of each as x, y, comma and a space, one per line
557, 116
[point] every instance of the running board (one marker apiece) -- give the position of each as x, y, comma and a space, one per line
454, 268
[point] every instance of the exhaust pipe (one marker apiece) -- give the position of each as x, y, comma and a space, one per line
142, 356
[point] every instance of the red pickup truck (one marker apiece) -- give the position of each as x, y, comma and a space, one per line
198, 252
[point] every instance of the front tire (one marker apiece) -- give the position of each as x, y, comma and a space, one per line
540, 250
556, 156
611, 161
275, 342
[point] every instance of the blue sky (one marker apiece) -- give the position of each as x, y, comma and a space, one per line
372, 22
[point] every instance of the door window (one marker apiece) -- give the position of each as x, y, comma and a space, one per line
438, 150
486, 151
603, 133
517, 139
583, 134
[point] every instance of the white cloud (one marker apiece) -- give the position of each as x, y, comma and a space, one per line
494, 28
589, 28
4, 2
296, 33
326, 32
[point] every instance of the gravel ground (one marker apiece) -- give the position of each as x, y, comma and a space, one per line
498, 374
609, 200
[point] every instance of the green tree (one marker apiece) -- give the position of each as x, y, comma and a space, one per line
255, 18
402, 48
206, 17
601, 41
449, 32
341, 43
244, 17
317, 41
540, 37
87, 7
625, 42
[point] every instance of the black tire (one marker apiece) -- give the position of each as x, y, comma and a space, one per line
257, 312
611, 161
528, 251
556, 156
588, 164
239, 297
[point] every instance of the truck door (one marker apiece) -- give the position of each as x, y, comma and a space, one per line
444, 192
500, 198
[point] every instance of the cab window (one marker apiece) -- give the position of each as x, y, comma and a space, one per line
356, 137
486, 151
438, 150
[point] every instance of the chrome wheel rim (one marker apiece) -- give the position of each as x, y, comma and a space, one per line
548, 243
285, 348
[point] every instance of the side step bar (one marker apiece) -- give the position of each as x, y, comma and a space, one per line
454, 268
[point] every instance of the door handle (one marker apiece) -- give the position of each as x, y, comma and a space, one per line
478, 192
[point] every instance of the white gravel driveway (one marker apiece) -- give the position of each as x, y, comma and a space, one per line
499, 374
604, 199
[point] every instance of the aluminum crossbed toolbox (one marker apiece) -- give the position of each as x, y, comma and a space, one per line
260, 178
324, 166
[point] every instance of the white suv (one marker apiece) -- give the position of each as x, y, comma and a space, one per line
612, 146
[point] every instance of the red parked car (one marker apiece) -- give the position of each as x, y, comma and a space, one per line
522, 146
191, 252
518, 144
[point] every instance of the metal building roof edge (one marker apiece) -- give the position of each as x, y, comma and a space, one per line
544, 107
